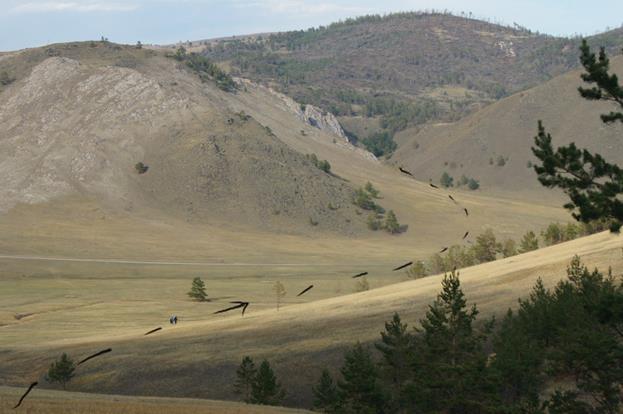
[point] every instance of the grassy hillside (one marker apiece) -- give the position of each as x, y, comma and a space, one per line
79, 118
198, 357
58, 402
506, 129
405, 68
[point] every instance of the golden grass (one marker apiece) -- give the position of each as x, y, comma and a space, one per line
58, 402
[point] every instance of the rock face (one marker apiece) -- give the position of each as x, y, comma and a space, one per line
324, 121
310, 114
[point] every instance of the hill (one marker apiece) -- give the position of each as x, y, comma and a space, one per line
403, 69
198, 357
227, 179
505, 130
86, 114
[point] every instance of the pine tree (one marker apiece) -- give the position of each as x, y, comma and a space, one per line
61, 371
529, 242
360, 390
280, 292
326, 397
197, 291
450, 362
486, 247
391, 223
266, 389
592, 184
245, 374
397, 347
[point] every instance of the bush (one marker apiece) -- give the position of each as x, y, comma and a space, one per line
371, 190
501, 161
446, 180
417, 270
473, 184
61, 371
141, 168
464, 180
508, 248
322, 165
206, 70
362, 285
391, 223
553, 234
373, 222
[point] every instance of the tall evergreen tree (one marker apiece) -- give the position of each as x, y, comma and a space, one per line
592, 184
245, 377
61, 371
451, 365
360, 391
266, 389
326, 398
397, 347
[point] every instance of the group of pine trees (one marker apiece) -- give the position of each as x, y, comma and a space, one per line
377, 218
560, 352
257, 385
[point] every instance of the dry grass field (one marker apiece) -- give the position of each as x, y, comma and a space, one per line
58, 402
197, 358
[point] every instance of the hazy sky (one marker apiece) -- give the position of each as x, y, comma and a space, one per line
26, 23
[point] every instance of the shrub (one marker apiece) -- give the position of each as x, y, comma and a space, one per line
553, 234
141, 168
462, 181
473, 184
362, 285
508, 248
417, 270
391, 223
446, 180
373, 222
371, 190
501, 161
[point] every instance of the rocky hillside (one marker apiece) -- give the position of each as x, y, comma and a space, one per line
493, 145
78, 118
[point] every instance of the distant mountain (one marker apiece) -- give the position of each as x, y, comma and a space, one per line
503, 133
403, 69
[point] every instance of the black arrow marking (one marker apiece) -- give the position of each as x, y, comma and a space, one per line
105, 351
466, 234
360, 274
33, 385
433, 185
403, 266
402, 170
466, 212
153, 330
239, 304
305, 290
443, 250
